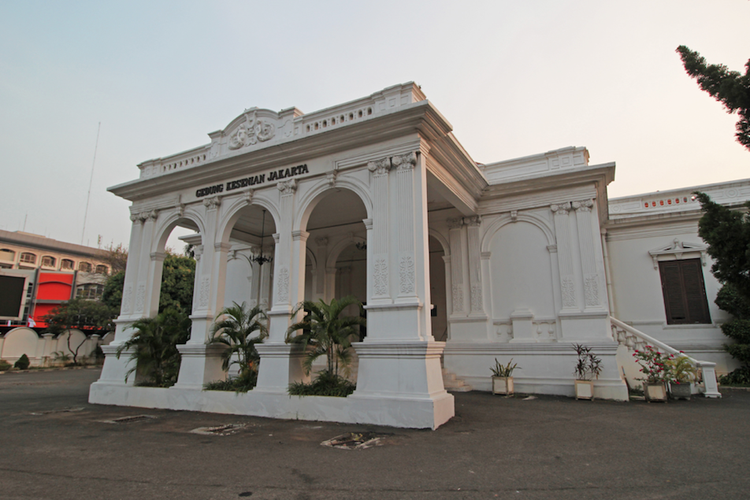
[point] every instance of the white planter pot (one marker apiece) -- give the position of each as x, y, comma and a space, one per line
585, 389
502, 385
655, 392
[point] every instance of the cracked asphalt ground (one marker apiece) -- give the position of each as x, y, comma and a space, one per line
57, 446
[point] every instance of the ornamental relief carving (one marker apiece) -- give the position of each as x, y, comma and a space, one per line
476, 298
380, 277
127, 297
203, 293
283, 284
591, 290
568, 292
140, 298
251, 132
406, 273
458, 298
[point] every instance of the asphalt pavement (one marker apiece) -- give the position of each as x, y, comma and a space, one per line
54, 445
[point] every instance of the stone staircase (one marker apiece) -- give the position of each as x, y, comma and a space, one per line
633, 339
454, 384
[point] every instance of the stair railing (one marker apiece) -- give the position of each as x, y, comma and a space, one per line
634, 339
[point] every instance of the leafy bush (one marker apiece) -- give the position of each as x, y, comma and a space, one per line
235, 328
243, 383
326, 331
155, 342
503, 370
22, 363
326, 383
4, 365
588, 364
740, 376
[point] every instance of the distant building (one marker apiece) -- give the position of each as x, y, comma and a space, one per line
52, 272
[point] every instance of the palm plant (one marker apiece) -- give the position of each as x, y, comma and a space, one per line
325, 331
235, 329
155, 343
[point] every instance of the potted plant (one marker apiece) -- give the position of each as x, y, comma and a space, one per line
588, 367
655, 367
683, 374
502, 377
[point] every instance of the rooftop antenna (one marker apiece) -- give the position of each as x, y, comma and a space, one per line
91, 180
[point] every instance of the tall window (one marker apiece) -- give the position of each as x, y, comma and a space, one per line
48, 261
684, 292
28, 258
85, 267
66, 264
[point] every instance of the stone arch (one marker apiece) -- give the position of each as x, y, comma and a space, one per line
165, 227
319, 190
234, 212
496, 225
442, 240
335, 251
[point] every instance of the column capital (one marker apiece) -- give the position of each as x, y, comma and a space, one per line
299, 235
583, 206
560, 208
404, 162
212, 203
287, 188
380, 167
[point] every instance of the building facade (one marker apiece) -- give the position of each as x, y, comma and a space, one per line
457, 263
38, 274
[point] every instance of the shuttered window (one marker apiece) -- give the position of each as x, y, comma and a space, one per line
684, 292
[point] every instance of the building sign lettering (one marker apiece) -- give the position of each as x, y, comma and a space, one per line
274, 175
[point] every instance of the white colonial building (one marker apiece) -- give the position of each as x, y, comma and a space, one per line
458, 263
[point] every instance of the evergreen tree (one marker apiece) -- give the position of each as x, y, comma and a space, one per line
727, 233
731, 88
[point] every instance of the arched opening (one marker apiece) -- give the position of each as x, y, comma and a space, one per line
177, 274
249, 273
438, 292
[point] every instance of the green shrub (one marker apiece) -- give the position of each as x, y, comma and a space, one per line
243, 383
325, 384
4, 365
740, 376
22, 363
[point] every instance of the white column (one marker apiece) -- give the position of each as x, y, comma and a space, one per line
457, 295
476, 302
114, 369
378, 235
281, 363
201, 363
594, 291
399, 361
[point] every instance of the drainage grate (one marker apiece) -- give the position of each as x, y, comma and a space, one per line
64, 410
127, 420
219, 430
355, 441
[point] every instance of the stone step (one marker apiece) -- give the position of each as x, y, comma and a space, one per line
453, 383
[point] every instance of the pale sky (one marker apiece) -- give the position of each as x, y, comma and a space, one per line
514, 79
